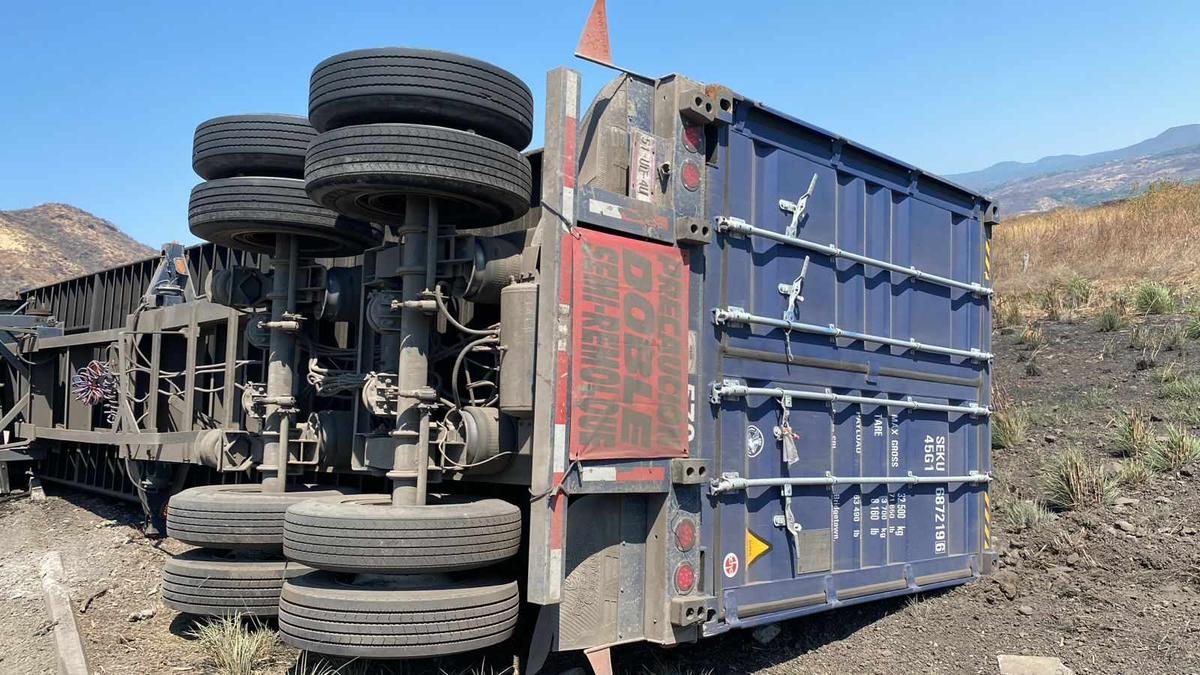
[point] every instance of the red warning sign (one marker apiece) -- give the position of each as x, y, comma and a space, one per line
629, 304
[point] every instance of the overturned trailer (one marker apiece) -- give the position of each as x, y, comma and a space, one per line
694, 365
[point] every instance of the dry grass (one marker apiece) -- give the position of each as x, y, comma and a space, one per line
1025, 514
234, 647
1176, 451
1072, 482
1153, 236
1134, 436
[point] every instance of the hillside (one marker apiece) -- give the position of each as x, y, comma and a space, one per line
1087, 180
58, 241
1154, 236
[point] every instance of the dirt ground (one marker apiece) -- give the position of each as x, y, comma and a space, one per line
1113, 589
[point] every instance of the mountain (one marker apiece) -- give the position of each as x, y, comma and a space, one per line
51, 242
1084, 180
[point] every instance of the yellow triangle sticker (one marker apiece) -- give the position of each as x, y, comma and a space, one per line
755, 547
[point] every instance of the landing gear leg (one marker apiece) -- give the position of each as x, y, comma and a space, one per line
600, 659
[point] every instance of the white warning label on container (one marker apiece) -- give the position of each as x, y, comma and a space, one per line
730, 565
641, 166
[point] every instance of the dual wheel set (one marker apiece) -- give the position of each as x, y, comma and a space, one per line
352, 574
347, 574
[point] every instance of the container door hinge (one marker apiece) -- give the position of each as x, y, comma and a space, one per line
797, 208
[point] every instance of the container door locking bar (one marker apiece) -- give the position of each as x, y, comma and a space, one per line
733, 482
734, 389
738, 226
734, 315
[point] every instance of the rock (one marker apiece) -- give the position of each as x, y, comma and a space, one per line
1050, 438
1125, 526
1026, 610
1073, 559
1126, 501
765, 634
1187, 472
1011, 664
1007, 581
1162, 499
1111, 468
1188, 531
143, 614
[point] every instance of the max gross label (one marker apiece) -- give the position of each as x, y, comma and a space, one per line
628, 349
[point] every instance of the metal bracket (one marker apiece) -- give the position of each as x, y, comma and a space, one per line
717, 391
793, 292
692, 610
787, 520
797, 208
689, 471
726, 315
696, 106
692, 231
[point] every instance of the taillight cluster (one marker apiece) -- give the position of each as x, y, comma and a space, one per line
685, 540
685, 577
685, 534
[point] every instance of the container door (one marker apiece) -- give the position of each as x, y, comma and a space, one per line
879, 435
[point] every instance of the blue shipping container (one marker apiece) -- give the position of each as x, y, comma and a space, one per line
838, 368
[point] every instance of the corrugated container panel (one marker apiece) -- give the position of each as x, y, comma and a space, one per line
854, 541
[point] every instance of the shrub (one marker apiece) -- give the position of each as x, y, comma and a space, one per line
1143, 338
1191, 328
1182, 387
1151, 297
1010, 426
1078, 291
1032, 336
1169, 373
1133, 438
1025, 514
1053, 302
1135, 472
234, 647
1175, 452
1173, 337
1111, 319
1006, 311
1071, 482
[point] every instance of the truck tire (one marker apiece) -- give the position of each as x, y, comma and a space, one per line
420, 86
234, 516
251, 145
212, 583
248, 214
367, 172
367, 533
396, 617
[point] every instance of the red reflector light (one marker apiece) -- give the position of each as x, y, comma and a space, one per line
685, 578
693, 136
691, 175
685, 534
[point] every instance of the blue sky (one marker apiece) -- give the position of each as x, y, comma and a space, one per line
98, 101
